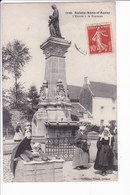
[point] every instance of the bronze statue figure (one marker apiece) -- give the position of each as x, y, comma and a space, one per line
54, 23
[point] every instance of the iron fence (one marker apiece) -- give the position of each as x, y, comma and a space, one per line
61, 147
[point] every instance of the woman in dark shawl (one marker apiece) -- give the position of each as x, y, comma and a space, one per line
24, 145
115, 160
104, 157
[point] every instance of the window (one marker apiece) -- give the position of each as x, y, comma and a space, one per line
102, 107
113, 108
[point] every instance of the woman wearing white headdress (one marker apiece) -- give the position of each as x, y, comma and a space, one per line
81, 155
18, 133
104, 157
27, 128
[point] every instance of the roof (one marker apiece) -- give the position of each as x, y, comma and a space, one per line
98, 89
74, 92
103, 90
77, 109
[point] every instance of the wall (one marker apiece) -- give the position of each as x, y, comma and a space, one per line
103, 109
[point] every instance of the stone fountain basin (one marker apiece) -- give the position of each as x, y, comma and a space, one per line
39, 171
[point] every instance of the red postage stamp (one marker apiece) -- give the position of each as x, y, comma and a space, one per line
99, 38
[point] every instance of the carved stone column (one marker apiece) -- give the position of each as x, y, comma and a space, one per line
54, 104
54, 50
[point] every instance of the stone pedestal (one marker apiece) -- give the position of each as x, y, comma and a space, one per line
39, 171
60, 111
39, 131
54, 50
54, 104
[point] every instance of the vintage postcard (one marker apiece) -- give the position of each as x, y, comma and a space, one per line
59, 92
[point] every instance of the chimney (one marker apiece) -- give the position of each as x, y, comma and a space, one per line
86, 81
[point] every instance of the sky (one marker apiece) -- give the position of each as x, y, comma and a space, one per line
29, 24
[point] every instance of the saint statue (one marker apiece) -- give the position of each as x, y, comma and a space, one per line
44, 91
60, 91
54, 23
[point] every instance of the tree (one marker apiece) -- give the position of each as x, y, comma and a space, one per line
21, 97
4, 64
5, 98
32, 99
14, 57
6, 121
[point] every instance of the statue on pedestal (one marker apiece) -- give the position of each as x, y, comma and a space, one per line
60, 92
54, 23
44, 91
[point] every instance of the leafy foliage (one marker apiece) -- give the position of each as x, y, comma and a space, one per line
6, 98
33, 97
31, 106
6, 117
6, 121
14, 57
21, 97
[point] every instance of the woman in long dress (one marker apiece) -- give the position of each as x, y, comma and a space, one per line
98, 39
54, 23
18, 133
115, 160
81, 154
104, 157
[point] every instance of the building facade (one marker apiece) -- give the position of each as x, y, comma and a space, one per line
98, 99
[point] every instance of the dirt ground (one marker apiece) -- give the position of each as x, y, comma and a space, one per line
90, 174
69, 174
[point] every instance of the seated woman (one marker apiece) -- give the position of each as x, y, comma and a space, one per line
81, 155
104, 157
23, 147
27, 153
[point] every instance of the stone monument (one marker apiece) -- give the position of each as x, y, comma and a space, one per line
53, 117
